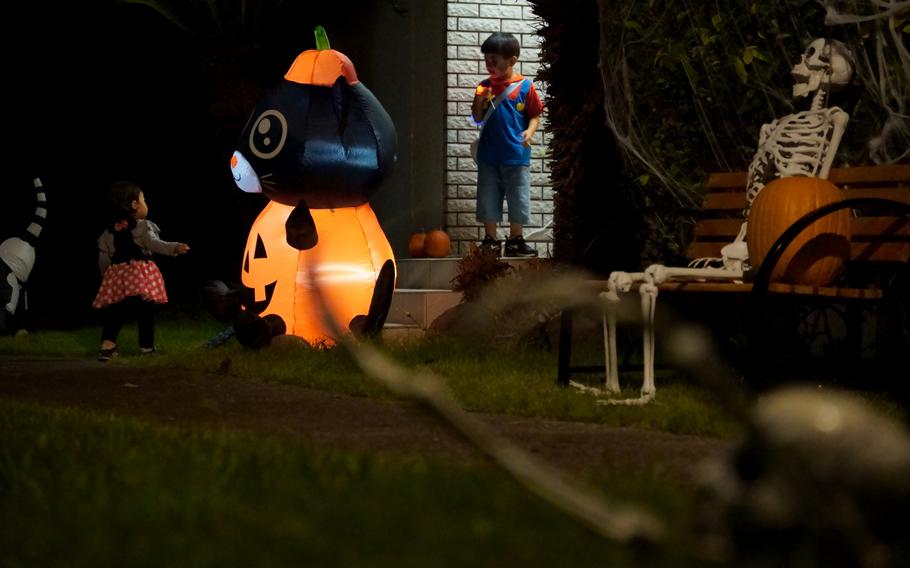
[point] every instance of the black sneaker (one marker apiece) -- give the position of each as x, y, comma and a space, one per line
490, 244
106, 355
516, 246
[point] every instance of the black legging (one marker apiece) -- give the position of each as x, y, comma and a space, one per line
116, 314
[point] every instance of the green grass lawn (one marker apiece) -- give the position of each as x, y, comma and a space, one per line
513, 381
85, 489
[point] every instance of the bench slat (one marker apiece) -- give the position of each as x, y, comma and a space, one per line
736, 200
776, 288
870, 174
901, 194
726, 228
880, 228
727, 179
729, 200
744, 287
859, 251
880, 252
840, 176
863, 228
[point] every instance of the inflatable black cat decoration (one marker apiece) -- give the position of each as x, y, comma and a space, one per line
318, 146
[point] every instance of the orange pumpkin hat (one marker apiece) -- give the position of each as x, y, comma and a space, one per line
321, 66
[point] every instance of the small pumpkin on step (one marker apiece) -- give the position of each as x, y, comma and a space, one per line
437, 244
415, 244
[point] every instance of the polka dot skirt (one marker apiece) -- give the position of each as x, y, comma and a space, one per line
133, 278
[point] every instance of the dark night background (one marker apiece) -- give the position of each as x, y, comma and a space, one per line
104, 91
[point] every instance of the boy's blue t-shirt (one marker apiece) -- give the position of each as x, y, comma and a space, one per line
500, 142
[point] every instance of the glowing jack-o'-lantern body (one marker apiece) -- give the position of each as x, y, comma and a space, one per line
345, 268
318, 146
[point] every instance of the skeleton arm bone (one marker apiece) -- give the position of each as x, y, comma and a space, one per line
839, 119
660, 274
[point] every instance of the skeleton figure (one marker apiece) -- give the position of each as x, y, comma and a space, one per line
18, 258
801, 144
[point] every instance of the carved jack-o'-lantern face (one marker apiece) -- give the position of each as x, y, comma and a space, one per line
269, 264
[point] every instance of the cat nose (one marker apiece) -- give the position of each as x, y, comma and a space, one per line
244, 175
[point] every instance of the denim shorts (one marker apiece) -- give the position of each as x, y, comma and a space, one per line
497, 182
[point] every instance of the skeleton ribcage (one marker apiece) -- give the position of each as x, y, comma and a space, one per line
795, 145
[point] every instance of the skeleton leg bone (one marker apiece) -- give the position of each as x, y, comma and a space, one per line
648, 281
611, 364
648, 292
618, 282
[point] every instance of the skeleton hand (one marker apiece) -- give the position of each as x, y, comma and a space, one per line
620, 282
735, 255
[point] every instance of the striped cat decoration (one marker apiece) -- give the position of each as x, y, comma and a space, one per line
18, 256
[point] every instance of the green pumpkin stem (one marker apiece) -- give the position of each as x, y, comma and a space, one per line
322, 39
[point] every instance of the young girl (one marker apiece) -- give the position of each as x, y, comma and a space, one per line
131, 283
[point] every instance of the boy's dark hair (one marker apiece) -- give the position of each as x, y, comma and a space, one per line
502, 43
120, 208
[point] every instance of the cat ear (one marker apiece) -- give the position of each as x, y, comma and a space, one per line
300, 228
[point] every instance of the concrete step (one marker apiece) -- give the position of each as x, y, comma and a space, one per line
435, 273
427, 273
396, 332
420, 307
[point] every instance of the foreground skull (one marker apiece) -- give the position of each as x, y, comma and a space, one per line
821, 475
825, 64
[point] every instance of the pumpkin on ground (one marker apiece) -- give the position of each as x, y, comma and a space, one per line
821, 251
437, 244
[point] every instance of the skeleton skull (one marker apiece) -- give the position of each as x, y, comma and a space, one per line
825, 64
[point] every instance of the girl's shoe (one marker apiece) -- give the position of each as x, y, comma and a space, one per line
106, 355
147, 351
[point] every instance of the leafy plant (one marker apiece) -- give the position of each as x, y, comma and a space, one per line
477, 269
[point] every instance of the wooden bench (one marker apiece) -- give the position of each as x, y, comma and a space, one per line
879, 237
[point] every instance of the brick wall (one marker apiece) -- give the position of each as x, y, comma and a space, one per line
469, 23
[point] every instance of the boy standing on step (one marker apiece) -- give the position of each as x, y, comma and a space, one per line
507, 107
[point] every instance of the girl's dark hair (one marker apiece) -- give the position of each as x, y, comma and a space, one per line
502, 43
119, 206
